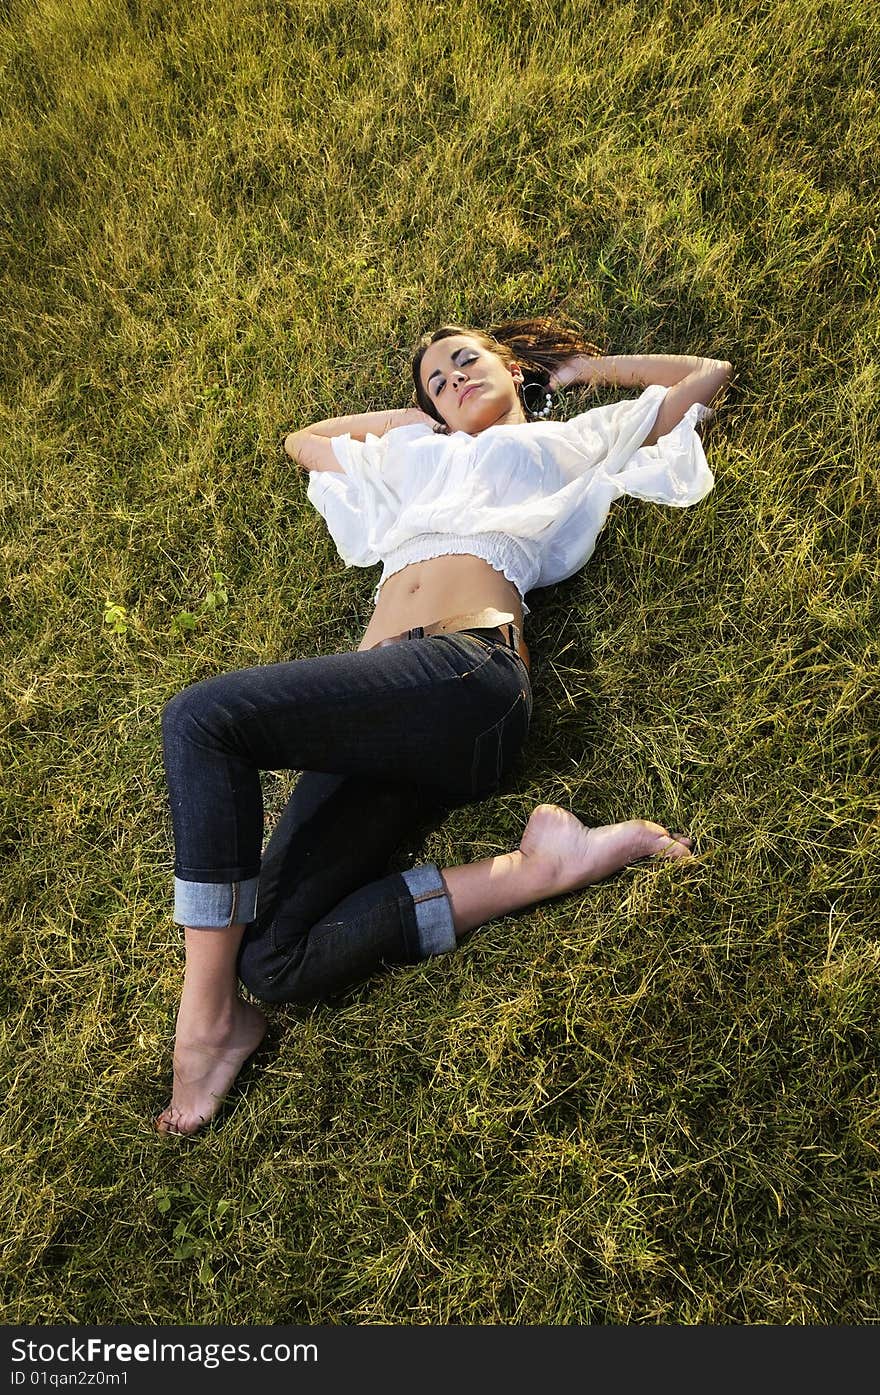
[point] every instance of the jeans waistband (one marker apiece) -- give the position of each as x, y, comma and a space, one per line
487, 619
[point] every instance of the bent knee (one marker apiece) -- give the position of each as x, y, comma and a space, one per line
192, 711
270, 976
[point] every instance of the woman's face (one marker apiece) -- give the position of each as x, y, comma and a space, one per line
469, 386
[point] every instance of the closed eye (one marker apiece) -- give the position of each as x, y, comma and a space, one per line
442, 381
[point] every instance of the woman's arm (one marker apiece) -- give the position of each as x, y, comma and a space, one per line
689, 380
310, 447
625, 370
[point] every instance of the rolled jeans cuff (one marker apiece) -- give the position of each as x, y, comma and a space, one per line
434, 923
215, 905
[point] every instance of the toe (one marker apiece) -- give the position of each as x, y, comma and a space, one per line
169, 1126
670, 846
169, 1122
165, 1121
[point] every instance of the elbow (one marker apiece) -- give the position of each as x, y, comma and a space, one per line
290, 444
725, 369
293, 447
716, 376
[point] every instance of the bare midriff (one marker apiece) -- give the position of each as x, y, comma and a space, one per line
435, 589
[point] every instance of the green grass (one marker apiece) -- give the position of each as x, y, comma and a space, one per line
652, 1102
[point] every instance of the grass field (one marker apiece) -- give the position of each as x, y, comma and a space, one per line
653, 1102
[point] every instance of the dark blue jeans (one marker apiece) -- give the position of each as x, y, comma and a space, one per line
387, 742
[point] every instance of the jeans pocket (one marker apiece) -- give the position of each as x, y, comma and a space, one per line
496, 748
479, 652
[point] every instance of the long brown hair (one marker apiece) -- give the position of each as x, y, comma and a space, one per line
538, 346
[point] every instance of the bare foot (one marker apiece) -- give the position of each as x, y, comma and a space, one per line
573, 855
204, 1070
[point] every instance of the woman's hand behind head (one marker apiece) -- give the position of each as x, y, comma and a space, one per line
416, 417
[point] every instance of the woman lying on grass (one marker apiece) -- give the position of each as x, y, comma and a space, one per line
469, 500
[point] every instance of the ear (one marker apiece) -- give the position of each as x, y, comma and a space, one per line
516, 372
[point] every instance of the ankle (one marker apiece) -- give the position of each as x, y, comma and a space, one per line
480, 891
202, 1022
543, 871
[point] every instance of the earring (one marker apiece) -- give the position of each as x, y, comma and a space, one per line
537, 411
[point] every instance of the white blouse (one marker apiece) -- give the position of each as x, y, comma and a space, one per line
530, 498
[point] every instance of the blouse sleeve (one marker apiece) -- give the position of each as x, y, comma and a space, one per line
602, 457
611, 434
338, 495
361, 504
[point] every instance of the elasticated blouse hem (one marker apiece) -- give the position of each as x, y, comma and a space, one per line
500, 551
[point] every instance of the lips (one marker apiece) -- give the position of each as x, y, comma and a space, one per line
467, 391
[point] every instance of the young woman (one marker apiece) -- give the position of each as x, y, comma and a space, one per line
469, 500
